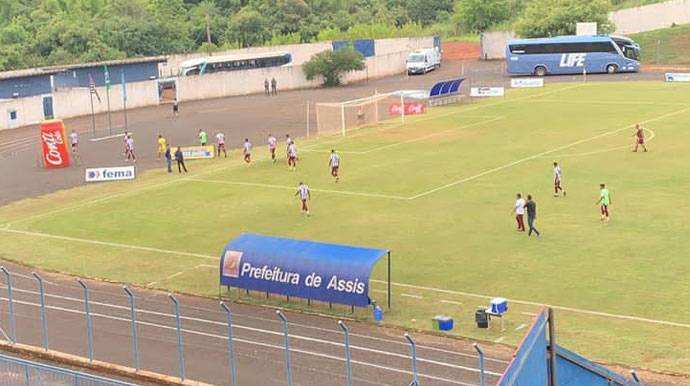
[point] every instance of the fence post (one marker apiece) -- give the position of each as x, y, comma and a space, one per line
287, 347
308, 116
635, 377
179, 335
481, 363
231, 351
135, 340
87, 309
346, 332
43, 309
413, 348
13, 330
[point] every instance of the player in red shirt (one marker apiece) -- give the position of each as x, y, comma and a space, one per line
639, 133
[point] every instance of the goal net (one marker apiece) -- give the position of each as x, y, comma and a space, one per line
343, 117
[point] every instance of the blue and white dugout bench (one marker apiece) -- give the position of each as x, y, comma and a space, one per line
299, 268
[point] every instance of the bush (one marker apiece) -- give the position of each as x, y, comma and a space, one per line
332, 64
544, 18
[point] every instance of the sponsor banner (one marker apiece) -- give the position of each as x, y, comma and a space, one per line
677, 77
527, 82
54, 144
109, 174
487, 91
196, 152
410, 108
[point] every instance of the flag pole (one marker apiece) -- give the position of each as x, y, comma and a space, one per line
93, 115
124, 96
107, 97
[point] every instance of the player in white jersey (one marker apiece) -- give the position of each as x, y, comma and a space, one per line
304, 195
129, 149
75, 141
288, 142
272, 141
247, 151
334, 164
220, 141
557, 180
292, 156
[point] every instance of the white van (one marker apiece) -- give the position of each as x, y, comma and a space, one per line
423, 61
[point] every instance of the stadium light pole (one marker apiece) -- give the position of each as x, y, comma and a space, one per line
87, 309
287, 347
481, 363
44, 323
179, 335
231, 351
413, 348
135, 340
13, 329
346, 332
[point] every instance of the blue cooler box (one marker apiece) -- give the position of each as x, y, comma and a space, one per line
499, 306
442, 323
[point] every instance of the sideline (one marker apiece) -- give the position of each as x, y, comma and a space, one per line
107, 137
647, 140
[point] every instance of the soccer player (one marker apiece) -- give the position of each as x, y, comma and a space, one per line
161, 146
557, 180
519, 210
292, 156
288, 142
202, 137
247, 151
179, 157
220, 141
168, 157
304, 195
639, 133
176, 107
605, 201
129, 149
360, 115
272, 141
531, 215
75, 141
334, 164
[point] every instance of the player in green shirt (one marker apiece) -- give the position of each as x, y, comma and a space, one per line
202, 137
605, 200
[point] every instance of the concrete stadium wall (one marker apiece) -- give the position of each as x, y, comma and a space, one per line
390, 46
651, 17
29, 110
74, 102
493, 44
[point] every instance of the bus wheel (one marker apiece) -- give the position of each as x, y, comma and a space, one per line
611, 68
540, 71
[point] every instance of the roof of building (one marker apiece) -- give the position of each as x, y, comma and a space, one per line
30, 72
51, 70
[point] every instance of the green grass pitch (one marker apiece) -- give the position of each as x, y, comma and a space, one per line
438, 193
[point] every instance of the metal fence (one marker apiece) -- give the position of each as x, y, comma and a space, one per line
16, 372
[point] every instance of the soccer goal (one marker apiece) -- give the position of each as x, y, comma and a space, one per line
343, 117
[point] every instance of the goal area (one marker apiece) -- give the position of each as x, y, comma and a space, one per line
342, 117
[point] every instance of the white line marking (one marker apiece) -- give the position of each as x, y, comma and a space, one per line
205, 266
260, 185
108, 244
152, 283
520, 327
380, 291
499, 340
412, 296
529, 313
32, 278
107, 137
292, 336
174, 275
450, 302
562, 308
611, 102
647, 140
539, 155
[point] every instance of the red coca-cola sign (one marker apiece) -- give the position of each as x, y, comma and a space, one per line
53, 139
410, 108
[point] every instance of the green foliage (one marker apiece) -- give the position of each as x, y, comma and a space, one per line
559, 17
479, 15
665, 46
332, 64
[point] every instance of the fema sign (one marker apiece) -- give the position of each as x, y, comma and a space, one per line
306, 269
109, 174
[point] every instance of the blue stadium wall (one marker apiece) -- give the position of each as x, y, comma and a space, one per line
137, 72
24, 87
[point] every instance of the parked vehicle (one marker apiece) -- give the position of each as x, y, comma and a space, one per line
423, 61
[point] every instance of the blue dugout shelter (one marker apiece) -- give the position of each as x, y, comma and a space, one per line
446, 88
306, 269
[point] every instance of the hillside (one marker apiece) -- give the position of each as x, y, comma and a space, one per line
672, 45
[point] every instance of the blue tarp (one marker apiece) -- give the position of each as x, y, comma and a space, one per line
574, 370
365, 47
306, 269
529, 366
340, 44
445, 88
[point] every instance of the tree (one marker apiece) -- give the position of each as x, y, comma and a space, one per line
248, 27
543, 18
479, 15
426, 12
332, 64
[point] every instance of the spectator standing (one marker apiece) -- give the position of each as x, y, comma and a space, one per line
179, 157
267, 90
176, 107
274, 86
531, 215
168, 158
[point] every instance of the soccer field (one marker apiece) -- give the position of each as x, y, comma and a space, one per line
438, 192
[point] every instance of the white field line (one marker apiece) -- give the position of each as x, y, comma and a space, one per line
174, 275
412, 296
520, 327
277, 333
450, 302
380, 291
435, 116
539, 155
19, 141
205, 266
611, 102
151, 283
529, 303
529, 313
499, 340
109, 244
260, 185
647, 140
107, 137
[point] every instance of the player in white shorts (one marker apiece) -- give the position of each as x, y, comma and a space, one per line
220, 141
272, 141
129, 149
75, 141
292, 156
304, 195
247, 151
557, 180
334, 164
288, 142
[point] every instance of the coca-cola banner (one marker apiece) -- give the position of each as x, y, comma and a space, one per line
410, 108
54, 141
